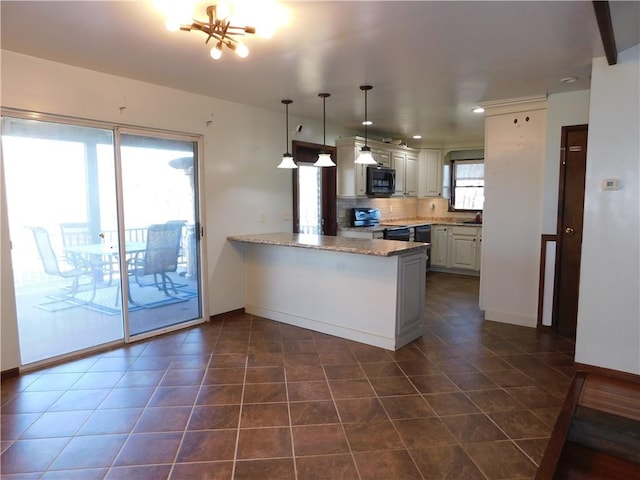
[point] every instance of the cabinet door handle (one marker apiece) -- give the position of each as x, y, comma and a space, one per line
569, 231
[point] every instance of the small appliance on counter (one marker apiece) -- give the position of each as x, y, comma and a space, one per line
365, 217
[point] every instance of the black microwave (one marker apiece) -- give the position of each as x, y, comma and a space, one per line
381, 181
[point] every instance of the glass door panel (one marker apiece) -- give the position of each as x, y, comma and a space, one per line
60, 186
309, 198
160, 231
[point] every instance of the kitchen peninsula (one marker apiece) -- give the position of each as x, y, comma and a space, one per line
369, 291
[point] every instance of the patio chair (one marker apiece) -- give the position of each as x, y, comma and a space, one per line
160, 256
52, 267
77, 233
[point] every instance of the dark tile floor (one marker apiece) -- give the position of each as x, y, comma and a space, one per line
248, 398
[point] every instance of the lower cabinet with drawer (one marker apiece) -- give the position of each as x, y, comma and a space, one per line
456, 248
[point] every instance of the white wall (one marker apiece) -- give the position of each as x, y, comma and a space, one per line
242, 147
512, 220
608, 333
563, 109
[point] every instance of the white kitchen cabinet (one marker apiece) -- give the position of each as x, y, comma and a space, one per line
439, 245
430, 168
406, 167
383, 157
411, 175
352, 177
456, 247
463, 245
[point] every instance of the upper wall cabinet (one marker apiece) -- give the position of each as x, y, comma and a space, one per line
430, 173
352, 177
406, 167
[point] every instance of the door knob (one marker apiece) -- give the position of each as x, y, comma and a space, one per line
569, 231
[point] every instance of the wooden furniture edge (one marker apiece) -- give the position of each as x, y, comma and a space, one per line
552, 453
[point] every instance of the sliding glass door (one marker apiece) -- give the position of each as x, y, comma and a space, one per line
104, 234
161, 231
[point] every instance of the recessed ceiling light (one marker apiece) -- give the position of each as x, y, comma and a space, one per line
568, 79
417, 137
478, 110
367, 122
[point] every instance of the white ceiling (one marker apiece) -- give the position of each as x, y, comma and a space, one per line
430, 63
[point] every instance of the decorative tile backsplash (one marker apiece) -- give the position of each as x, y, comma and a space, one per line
430, 208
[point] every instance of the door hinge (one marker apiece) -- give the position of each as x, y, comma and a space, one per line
563, 155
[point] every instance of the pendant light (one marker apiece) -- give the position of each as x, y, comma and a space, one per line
365, 156
324, 158
287, 158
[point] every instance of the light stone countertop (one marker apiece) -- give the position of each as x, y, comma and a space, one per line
380, 248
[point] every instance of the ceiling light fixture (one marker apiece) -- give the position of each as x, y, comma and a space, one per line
568, 79
478, 110
287, 158
220, 29
324, 158
365, 156
417, 137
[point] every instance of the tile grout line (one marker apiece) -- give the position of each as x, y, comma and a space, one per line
193, 407
335, 405
244, 382
391, 420
144, 408
286, 389
439, 416
110, 467
512, 441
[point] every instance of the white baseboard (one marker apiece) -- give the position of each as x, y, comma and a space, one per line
323, 327
511, 318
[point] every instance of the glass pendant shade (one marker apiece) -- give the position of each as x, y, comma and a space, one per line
365, 157
287, 161
324, 160
287, 158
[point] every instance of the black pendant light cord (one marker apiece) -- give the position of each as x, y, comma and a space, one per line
286, 105
324, 122
365, 89
324, 119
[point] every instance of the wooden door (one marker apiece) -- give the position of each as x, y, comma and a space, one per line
307, 153
569, 230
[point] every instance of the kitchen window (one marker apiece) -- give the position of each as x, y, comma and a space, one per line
467, 185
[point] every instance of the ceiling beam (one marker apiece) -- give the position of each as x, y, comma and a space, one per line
603, 17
